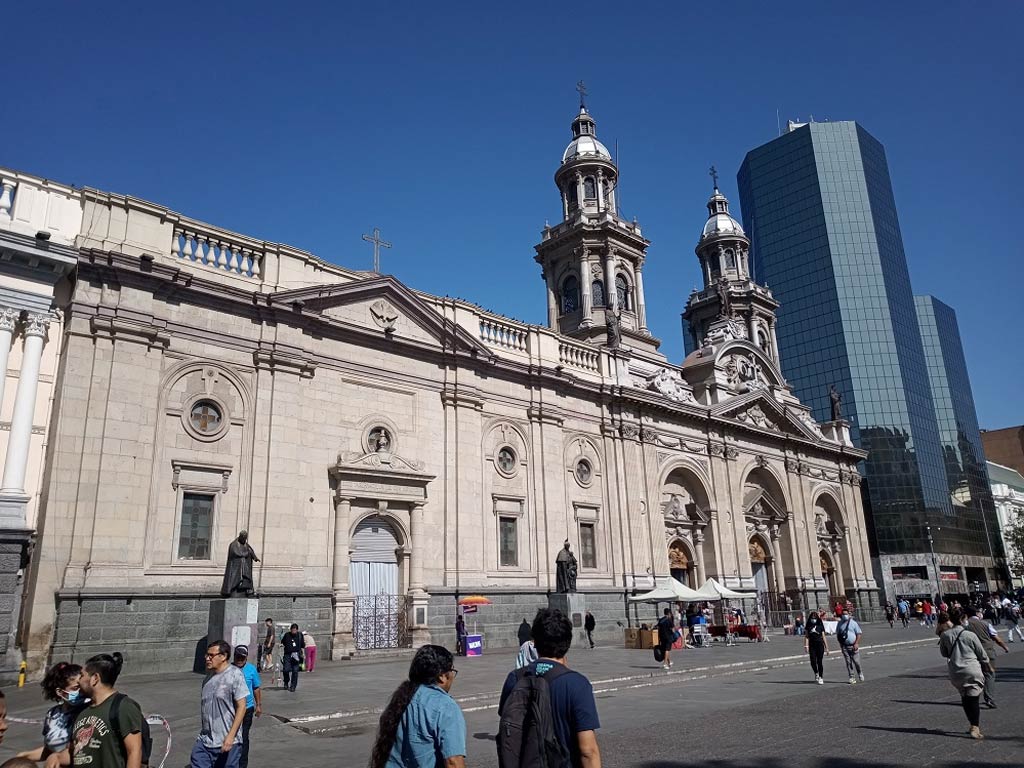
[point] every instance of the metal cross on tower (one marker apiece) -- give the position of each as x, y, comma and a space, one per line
714, 176
581, 88
377, 245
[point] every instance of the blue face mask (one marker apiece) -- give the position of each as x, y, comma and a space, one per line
73, 697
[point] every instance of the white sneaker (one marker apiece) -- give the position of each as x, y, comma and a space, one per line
820, 681
861, 678
665, 667
853, 681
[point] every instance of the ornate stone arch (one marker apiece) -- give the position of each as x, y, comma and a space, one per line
742, 348
775, 484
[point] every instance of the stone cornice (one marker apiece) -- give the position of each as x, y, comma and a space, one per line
273, 359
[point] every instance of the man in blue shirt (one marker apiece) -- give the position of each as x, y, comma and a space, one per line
572, 697
848, 633
253, 702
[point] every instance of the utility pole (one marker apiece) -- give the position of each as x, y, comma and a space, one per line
935, 562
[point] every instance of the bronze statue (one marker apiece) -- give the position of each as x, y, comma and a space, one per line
565, 570
238, 570
837, 403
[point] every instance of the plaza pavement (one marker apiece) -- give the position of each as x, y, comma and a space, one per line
330, 720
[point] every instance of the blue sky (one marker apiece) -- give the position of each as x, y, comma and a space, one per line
443, 123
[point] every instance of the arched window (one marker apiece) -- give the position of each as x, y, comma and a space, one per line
573, 194
622, 293
589, 188
570, 295
730, 259
597, 293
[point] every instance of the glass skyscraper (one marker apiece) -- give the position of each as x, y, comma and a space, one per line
819, 209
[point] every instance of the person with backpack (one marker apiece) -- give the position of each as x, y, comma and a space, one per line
110, 732
903, 608
254, 701
548, 715
964, 656
1013, 621
60, 684
422, 726
848, 633
989, 638
221, 712
666, 636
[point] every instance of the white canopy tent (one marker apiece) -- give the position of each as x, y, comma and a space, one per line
713, 590
669, 590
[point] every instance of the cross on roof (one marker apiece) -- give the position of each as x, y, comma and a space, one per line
377, 245
581, 88
714, 175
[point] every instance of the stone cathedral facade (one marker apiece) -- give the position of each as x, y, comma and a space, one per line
391, 451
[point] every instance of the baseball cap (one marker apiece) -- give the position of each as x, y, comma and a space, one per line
241, 651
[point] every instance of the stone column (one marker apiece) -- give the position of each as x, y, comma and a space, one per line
12, 493
342, 642
419, 598
8, 322
579, 191
837, 564
585, 281
698, 545
752, 329
775, 341
612, 206
641, 302
780, 578
611, 295
600, 190
6, 193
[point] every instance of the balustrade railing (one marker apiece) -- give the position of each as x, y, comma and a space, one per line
578, 356
218, 250
496, 333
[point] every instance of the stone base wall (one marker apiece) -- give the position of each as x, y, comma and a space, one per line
499, 623
165, 633
13, 548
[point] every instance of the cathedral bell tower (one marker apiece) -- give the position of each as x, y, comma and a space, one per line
593, 260
731, 305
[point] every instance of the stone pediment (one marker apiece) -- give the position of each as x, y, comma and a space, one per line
380, 475
760, 410
380, 305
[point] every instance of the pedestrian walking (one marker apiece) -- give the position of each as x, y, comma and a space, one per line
989, 638
1012, 621
666, 636
221, 711
293, 647
310, 650
928, 611
422, 725
524, 632
253, 702
460, 635
964, 656
903, 608
816, 645
60, 684
890, 614
107, 733
265, 654
571, 713
527, 654
848, 633
589, 625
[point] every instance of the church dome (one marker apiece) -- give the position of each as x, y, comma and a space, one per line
585, 146
721, 224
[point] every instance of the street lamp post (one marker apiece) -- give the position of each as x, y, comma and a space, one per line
935, 562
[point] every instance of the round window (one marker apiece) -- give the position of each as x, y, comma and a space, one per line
205, 417
584, 472
506, 461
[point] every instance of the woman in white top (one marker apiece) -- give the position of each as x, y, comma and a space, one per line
310, 650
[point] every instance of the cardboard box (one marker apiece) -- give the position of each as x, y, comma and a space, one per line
631, 637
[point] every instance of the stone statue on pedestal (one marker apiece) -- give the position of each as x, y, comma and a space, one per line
613, 324
238, 571
837, 403
565, 570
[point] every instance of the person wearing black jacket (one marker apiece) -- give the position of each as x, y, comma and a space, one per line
666, 636
589, 624
816, 645
294, 647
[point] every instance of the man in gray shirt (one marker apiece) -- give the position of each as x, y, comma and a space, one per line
223, 709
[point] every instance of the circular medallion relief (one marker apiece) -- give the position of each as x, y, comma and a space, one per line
506, 461
584, 472
380, 440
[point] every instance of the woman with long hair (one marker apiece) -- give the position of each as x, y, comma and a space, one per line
60, 684
422, 725
816, 645
964, 656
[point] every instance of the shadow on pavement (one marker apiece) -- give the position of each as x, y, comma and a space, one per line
931, 703
824, 762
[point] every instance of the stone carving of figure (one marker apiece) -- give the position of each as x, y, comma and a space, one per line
837, 403
565, 570
613, 322
383, 442
723, 297
238, 571
671, 384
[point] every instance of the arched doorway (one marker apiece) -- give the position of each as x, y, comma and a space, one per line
680, 564
828, 573
760, 566
831, 533
380, 611
685, 508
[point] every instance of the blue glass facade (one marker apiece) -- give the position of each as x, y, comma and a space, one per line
819, 209
963, 455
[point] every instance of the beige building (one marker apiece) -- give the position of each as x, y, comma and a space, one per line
390, 451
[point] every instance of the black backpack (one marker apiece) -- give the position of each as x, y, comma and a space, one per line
147, 737
843, 631
526, 732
